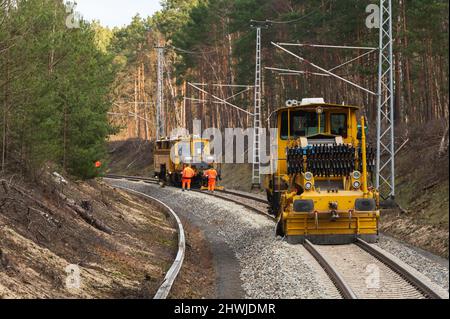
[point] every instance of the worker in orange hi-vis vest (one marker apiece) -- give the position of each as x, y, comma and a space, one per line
187, 176
212, 175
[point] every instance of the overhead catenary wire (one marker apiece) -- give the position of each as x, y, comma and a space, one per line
322, 69
328, 46
191, 52
219, 99
293, 20
252, 21
295, 72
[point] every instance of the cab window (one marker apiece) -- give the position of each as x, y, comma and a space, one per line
302, 124
199, 148
284, 130
306, 124
338, 123
184, 149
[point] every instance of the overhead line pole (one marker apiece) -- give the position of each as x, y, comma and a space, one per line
256, 172
160, 116
385, 178
386, 150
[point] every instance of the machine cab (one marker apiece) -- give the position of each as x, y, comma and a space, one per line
319, 189
314, 123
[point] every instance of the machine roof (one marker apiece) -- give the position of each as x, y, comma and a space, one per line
316, 105
313, 106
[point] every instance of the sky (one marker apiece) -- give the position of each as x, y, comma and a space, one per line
115, 13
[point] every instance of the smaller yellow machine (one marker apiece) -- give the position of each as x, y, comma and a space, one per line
320, 189
172, 154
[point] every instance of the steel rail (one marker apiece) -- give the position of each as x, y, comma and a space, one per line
333, 274
423, 285
133, 178
335, 277
404, 271
165, 288
247, 196
248, 206
154, 180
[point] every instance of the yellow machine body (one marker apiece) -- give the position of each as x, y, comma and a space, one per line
321, 199
170, 156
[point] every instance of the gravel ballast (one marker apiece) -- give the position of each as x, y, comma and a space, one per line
259, 262
263, 260
431, 266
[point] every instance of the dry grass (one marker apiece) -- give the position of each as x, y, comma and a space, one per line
423, 191
40, 236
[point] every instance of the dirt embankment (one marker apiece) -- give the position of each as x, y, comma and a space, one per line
131, 157
121, 244
422, 185
422, 192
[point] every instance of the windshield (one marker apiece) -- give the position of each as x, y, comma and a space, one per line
303, 124
184, 149
199, 148
339, 124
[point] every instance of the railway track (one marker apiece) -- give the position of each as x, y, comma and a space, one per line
254, 204
365, 271
172, 274
133, 178
359, 271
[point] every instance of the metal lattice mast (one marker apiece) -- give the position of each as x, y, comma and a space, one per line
256, 174
385, 178
160, 115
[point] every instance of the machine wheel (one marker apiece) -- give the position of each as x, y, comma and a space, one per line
269, 200
280, 228
275, 200
172, 180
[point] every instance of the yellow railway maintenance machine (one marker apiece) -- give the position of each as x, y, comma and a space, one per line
172, 154
320, 188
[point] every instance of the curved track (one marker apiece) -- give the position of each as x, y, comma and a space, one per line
172, 274
358, 270
396, 279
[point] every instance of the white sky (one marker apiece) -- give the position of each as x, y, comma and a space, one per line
114, 13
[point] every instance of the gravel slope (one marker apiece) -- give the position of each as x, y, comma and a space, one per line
431, 266
251, 262
261, 259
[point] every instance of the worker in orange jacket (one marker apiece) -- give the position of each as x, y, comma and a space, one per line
212, 176
187, 176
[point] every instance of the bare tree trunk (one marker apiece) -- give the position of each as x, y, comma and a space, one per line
6, 96
443, 148
136, 109
145, 106
5, 118
65, 139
